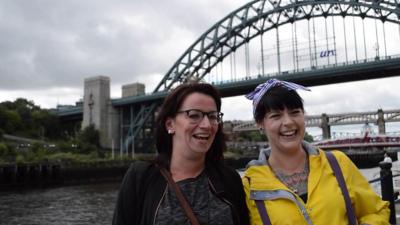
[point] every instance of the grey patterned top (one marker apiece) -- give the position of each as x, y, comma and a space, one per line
208, 208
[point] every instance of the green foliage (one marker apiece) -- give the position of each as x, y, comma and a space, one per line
1, 134
253, 135
7, 153
90, 135
20, 159
257, 136
35, 154
46, 124
87, 148
69, 157
10, 121
233, 153
26, 156
66, 146
39, 151
65, 157
237, 151
36, 147
24, 118
308, 137
89, 141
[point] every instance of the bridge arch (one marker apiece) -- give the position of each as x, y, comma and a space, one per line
258, 17
237, 29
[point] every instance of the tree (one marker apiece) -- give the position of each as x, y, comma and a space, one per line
46, 124
7, 153
253, 135
24, 118
12, 122
308, 137
90, 135
89, 140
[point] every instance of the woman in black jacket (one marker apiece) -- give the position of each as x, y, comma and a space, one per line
190, 145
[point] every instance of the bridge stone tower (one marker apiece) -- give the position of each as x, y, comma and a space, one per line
134, 89
381, 122
326, 129
97, 109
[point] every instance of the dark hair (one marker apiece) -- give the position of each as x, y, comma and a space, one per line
171, 105
277, 98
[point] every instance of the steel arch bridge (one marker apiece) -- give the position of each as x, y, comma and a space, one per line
241, 26
256, 18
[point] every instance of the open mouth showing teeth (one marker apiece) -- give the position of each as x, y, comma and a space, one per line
288, 133
201, 137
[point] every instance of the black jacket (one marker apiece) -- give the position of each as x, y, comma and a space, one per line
143, 187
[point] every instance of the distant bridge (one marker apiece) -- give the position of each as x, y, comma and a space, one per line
325, 121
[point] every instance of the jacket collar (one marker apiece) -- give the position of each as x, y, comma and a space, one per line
215, 181
265, 153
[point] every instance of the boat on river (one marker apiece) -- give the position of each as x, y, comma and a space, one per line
367, 149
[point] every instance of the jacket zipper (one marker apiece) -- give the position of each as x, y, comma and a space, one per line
300, 205
234, 211
159, 203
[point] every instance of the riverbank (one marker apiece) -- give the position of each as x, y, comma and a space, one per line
31, 175
45, 175
34, 175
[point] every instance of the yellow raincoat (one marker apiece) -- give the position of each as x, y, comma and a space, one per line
325, 202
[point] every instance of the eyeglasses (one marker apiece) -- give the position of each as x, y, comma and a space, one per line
196, 116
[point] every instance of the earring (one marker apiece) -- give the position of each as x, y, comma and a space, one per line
170, 131
261, 130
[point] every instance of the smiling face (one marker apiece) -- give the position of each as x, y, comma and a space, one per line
189, 138
284, 129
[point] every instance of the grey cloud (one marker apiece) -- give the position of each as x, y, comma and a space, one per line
47, 45
53, 43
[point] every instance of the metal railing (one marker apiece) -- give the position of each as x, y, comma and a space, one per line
387, 190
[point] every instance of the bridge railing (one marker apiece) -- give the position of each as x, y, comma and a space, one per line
306, 69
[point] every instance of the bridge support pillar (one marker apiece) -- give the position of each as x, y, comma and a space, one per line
326, 129
127, 120
97, 109
381, 122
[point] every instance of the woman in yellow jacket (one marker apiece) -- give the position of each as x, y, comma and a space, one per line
293, 182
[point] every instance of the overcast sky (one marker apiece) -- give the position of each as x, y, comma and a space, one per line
48, 47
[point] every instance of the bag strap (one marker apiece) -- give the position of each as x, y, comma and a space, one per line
262, 210
342, 184
184, 204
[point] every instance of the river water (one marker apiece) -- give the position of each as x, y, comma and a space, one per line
78, 205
